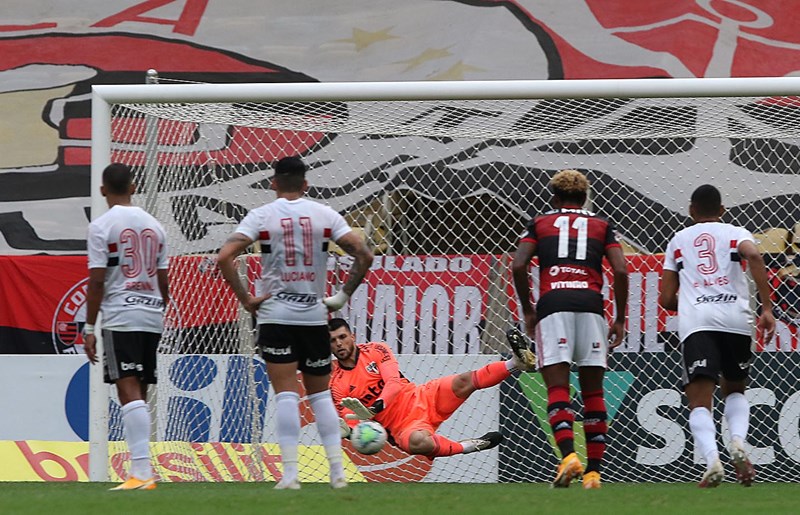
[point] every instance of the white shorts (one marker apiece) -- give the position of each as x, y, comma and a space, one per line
568, 336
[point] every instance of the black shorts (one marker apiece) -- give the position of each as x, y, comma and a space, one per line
707, 353
308, 345
130, 353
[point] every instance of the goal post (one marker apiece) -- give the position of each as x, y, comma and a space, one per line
441, 177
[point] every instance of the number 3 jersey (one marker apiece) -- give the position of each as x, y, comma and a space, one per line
570, 243
713, 293
294, 237
131, 245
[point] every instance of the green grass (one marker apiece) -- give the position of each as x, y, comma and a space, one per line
395, 498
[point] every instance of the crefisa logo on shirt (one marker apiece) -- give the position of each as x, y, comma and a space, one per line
68, 320
70, 316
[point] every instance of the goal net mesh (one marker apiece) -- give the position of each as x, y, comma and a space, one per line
442, 190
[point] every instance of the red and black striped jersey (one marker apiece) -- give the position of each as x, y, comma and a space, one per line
571, 244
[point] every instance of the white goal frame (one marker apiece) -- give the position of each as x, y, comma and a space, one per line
103, 96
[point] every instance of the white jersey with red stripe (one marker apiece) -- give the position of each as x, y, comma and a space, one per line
294, 237
713, 291
131, 245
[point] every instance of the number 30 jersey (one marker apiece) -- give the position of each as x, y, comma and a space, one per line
570, 243
713, 293
131, 245
294, 237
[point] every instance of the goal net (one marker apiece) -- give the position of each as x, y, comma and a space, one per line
441, 178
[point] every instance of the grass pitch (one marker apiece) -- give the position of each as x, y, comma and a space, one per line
395, 498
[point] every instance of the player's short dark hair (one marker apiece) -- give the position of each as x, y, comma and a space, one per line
706, 200
570, 186
117, 178
290, 173
336, 323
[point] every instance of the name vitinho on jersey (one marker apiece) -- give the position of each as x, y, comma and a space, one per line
569, 284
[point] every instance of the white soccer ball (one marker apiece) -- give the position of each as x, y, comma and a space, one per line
368, 437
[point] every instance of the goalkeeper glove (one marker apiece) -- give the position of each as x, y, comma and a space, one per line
361, 412
344, 429
336, 302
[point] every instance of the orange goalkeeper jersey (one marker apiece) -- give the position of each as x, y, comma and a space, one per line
376, 375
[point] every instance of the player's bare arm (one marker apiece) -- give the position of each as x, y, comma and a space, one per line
94, 296
668, 296
755, 262
520, 268
619, 267
355, 246
226, 260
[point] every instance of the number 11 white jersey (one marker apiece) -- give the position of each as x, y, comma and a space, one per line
713, 291
294, 237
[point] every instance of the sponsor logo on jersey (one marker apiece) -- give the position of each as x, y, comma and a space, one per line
318, 363
372, 368
556, 269
298, 298
595, 345
720, 298
696, 364
150, 302
285, 351
562, 341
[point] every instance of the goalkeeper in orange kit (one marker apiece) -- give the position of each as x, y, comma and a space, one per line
366, 383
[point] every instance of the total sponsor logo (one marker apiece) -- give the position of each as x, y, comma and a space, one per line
562, 269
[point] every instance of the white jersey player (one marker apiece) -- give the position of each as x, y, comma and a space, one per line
290, 306
704, 280
128, 282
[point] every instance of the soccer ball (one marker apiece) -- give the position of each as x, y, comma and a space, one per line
368, 437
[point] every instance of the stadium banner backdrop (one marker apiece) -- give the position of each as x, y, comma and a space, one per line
51, 55
416, 304
47, 438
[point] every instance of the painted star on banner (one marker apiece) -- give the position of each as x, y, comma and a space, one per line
364, 38
456, 72
429, 54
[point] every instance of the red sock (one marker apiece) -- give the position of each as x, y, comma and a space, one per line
490, 375
561, 418
595, 428
445, 447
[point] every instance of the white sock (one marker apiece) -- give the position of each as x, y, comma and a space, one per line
737, 413
288, 428
328, 427
136, 423
511, 364
701, 422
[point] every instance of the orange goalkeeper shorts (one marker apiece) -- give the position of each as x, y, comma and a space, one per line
427, 407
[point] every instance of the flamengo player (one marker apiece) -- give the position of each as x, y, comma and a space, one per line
568, 320
366, 382
128, 283
292, 315
704, 281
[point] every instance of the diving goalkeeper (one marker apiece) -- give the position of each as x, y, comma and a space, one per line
366, 383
